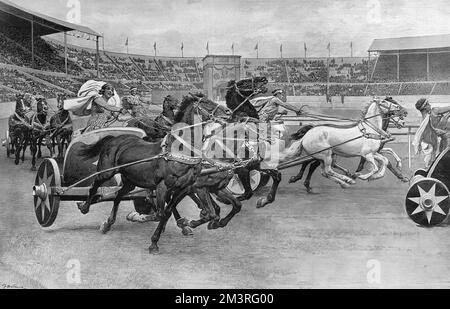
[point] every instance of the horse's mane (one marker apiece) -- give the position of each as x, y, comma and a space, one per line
366, 109
185, 104
247, 108
229, 94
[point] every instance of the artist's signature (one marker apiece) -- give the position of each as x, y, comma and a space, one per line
6, 286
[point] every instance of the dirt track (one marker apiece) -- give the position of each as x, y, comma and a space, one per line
323, 240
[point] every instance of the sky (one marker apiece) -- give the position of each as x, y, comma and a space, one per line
268, 23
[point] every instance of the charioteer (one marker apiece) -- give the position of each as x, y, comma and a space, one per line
269, 108
433, 134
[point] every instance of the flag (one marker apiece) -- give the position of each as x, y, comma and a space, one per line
126, 43
232, 47
182, 46
256, 47
305, 47
281, 48
351, 44
154, 46
329, 46
207, 47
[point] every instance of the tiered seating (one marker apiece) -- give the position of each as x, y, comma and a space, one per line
439, 66
385, 70
60, 81
6, 96
14, 79
273, 69
416, 89
442, 89
383, 89
16, 47
413, 68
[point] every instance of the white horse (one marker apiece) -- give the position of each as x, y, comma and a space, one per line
363, 139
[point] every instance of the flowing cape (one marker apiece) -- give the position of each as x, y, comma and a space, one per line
88, 92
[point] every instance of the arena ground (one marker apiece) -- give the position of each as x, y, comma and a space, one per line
323, 240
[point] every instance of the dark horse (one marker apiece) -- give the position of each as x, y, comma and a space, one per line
314, 164
19, 126
171, 174
214, 183
39, 130
238, 99
240, 93
177, 174
156, 129
61, 128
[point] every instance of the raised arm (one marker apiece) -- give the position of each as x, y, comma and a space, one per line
288, 106
100, 101
440, 110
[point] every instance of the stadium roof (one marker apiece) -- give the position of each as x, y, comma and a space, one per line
411, 43
19, 17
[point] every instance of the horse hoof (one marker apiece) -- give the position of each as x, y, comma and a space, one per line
309, 190
213, 225
153, 250
187, 231
33, 169
292, 180
182, 223
81, 206
105, 228
261, 202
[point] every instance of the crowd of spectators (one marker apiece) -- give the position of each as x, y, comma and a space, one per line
16, 48
14, 79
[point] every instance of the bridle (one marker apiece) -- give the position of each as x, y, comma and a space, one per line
238, 90
387, 115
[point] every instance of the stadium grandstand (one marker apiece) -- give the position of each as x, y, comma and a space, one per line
33, 60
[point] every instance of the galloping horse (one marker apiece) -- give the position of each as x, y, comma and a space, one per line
158, 128
61, 128
314, 164
238, 99
171, 174
19, 126
214, 183
240, 93
363, 139
39, 130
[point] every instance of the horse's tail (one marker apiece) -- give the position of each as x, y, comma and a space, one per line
90, 151
301, 133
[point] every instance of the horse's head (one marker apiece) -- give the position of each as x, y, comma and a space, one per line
250, 86
198, 104
170, 103
210, 110
60, 100
41, 105
20, 103
393, 111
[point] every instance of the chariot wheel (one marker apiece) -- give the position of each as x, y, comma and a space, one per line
236, 188
428, 202
8, 144
46, 202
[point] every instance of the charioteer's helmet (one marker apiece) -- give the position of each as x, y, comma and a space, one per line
277, 92
421, 104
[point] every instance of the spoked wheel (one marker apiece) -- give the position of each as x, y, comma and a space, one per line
46, 202
428, 202
236, 187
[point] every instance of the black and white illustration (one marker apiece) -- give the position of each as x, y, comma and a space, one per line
206, 144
